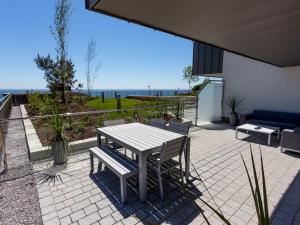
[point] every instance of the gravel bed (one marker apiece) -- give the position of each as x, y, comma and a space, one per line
19, 202
15, 173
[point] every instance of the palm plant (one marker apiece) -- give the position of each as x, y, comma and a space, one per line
259, 194
233, 103
59, 143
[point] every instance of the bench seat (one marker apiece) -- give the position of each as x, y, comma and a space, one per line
117, 163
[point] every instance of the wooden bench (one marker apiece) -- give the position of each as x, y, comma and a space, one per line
117, 163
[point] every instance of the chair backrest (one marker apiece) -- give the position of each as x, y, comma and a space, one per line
157, 123
173, 148
180, 128
108, 123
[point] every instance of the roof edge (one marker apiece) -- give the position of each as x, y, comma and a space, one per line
95, 2
89, 4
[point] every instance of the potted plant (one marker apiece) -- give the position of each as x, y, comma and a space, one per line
233, 104
59, 143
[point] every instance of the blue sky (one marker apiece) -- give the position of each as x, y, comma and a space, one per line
131, 56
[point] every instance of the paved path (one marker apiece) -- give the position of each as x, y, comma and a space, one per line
80, 198
18, 193
16, 146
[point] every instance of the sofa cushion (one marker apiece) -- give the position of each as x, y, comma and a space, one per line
273, 124
284, 117
297, 130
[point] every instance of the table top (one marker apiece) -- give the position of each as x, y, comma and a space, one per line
137, 136
263, 129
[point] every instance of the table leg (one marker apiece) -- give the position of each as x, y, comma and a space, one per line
269, 139
187, 158
142, 177
99, 139
236, 133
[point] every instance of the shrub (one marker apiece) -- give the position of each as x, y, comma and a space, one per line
41, 104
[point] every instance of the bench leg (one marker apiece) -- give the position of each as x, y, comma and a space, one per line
123, 184
92, 162
269, 139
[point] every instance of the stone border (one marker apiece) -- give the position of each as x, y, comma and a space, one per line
37, 151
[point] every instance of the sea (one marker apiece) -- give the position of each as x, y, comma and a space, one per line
107, 92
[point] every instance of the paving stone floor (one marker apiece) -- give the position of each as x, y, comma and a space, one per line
76, 197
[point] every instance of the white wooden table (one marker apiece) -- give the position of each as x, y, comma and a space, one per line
259, 129
143, 140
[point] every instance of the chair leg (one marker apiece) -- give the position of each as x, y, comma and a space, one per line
92, 162
160, 185
123, 185
181, 174
99, 166
181, 170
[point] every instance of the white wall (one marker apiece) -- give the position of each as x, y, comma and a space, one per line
263, 86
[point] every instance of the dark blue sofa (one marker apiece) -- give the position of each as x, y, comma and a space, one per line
284, 120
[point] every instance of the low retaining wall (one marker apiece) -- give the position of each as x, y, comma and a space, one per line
37, 151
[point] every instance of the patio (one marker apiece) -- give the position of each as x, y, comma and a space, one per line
215, 154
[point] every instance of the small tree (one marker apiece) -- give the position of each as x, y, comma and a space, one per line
187, 75
53, 76
92, 67
200, 86
59, 72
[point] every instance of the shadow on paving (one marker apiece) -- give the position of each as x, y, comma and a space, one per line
216, 126
176, 207
287, 211
260, 139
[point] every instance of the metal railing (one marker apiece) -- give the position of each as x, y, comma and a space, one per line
5, 109
5, 106
125, 93
2, 100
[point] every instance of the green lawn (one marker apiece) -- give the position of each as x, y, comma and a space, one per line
111, 103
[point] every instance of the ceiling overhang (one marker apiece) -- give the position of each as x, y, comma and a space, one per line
266, 30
